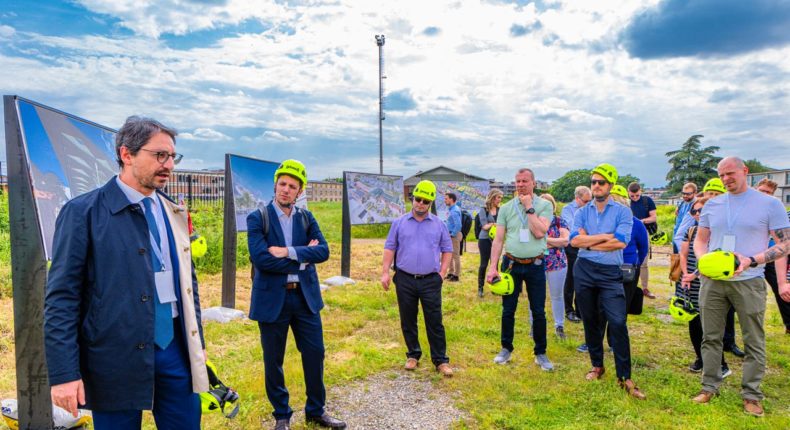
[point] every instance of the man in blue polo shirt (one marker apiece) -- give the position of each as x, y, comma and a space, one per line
415, 243
454, 228
601, 230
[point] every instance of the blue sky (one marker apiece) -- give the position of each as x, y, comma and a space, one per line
482, 86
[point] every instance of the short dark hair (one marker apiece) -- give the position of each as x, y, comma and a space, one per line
634, 187
452, 196
136, 132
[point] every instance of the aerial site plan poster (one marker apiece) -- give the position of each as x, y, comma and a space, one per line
373, 199
471, 195
253, 186
67, 156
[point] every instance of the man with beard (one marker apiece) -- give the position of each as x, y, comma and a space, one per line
740, 222
521, 229
602, 229
122, 313
285, 244
689, 196
419, 245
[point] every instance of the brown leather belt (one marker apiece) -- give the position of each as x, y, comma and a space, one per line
521, 260
291, 285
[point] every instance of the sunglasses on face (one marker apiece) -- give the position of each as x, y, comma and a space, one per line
163, 156
423, 201
599, 182
695, 211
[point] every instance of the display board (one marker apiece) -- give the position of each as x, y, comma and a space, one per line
471, 195
253, 186
68, 156
373, 199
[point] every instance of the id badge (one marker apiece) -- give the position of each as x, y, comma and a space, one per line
523, 235
728, 243
165, 288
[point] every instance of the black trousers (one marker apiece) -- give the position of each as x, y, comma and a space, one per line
695, 333
784, 307
484, 245
571, 253
428, 291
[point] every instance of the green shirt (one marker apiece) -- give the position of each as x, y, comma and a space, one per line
509, 217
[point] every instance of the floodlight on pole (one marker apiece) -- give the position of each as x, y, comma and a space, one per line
380, 44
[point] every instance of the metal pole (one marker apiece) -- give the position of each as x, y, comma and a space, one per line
380, 43
230, 237
345, 236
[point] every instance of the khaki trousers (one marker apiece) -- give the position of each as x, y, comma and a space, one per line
455, 263
748, 298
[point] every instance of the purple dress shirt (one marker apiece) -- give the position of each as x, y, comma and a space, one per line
418, 245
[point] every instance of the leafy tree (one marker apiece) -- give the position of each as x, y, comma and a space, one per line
562, 189
691, 163
755, 166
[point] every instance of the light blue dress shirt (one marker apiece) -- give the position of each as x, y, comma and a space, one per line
615, 219
286, 224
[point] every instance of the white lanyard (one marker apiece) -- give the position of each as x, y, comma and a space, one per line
731, 220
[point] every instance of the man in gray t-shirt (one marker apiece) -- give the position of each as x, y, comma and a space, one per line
741, 221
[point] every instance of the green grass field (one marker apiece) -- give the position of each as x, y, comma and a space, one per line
362, 336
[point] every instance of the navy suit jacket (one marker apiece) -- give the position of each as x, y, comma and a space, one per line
271, 273
99, 304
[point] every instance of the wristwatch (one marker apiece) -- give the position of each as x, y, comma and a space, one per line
753, 263
530, 211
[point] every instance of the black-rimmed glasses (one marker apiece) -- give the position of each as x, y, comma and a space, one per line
163, 156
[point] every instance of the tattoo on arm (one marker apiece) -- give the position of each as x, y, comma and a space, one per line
782, 245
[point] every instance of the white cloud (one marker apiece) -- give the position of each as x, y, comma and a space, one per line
205, 134
6, 31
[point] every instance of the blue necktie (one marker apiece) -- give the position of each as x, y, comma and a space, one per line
163, 323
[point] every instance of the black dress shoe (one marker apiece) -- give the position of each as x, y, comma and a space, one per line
735, 350
327, 421
282, 425
572, 317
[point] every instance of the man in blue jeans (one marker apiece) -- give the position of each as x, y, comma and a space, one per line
601, 231
521, 230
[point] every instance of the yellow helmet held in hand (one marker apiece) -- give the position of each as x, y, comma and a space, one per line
620, 190
716, 185
659, 238
292, 168
718, 265
607, 171
492, 232
219, 395
681, 309
503, 285
425, 190
199, 245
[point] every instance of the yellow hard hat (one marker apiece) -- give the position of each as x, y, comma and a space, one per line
199, 245
607, 171
718, 265
716, 185
492, 232
504, 286
293, 168
620, 190
425, 190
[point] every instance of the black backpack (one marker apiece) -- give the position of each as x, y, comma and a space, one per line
466, 226
478, 221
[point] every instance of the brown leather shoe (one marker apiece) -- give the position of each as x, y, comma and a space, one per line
595, 373
630, 387
704, 396
648, 294
753, 407
445, 369
411, 364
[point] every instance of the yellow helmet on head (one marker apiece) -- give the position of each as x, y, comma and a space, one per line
425, 190
716, 185
619, 190
718, 265
293, 168
608, 171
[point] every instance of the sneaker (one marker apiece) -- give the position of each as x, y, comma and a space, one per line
648, 294
543, 361
583, 348
560, 332
572, 317
725, 372
503, 356
696, 366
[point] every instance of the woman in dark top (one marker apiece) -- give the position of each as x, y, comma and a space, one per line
689, 286
486, 218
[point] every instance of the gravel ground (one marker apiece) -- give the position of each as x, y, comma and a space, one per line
389, 400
